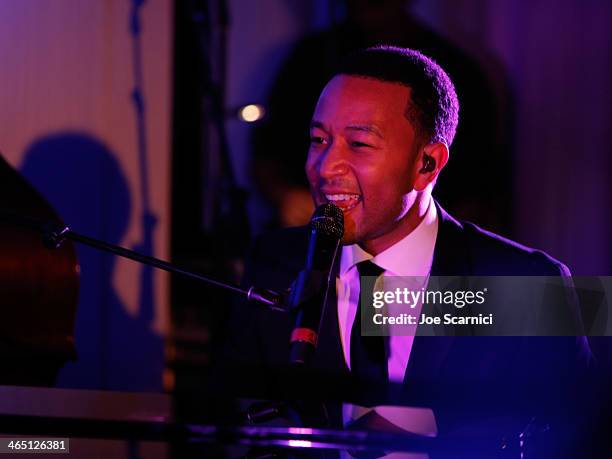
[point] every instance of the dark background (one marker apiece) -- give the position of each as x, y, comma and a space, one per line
532, 156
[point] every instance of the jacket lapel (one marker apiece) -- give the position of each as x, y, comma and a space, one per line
451, 255
451, 258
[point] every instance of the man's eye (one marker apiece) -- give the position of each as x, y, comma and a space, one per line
360, 144
317, 140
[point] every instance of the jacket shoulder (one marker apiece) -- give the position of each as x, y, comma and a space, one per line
492, 253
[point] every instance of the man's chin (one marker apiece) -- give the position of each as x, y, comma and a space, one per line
349, 238
354, 224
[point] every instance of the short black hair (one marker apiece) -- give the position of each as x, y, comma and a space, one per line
434, 110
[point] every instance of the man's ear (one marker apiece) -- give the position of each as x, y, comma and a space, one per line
432, 159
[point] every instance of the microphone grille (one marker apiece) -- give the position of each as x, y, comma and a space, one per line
328, 219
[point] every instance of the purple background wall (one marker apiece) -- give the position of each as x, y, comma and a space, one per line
556, 56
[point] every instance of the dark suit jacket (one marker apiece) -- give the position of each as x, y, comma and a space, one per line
459, 375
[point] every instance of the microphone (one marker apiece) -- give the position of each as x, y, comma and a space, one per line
310, 290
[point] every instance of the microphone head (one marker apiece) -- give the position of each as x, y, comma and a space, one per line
328, 220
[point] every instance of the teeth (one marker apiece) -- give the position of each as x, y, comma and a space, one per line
341, 197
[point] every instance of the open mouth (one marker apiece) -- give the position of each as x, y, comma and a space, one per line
345, 201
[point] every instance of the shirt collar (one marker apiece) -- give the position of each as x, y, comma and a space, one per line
410, 256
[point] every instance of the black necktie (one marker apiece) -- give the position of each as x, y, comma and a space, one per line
368, 354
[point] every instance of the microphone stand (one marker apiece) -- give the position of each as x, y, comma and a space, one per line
54, 234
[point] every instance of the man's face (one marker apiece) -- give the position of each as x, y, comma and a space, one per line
362, 157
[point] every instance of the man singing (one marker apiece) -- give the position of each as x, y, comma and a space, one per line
380, 136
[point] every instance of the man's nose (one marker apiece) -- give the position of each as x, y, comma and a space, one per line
333, 162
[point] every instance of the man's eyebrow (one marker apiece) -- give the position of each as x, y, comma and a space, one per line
366, 128
314, 124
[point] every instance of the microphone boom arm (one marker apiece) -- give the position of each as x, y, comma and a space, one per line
54, 234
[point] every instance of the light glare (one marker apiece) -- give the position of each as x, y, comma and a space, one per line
300, 443
251, 113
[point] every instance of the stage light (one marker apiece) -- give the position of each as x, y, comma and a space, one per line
300, 444
251, 113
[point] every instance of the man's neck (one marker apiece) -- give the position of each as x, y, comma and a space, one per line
408, 224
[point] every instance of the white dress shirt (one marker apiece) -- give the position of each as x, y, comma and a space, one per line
411, 256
